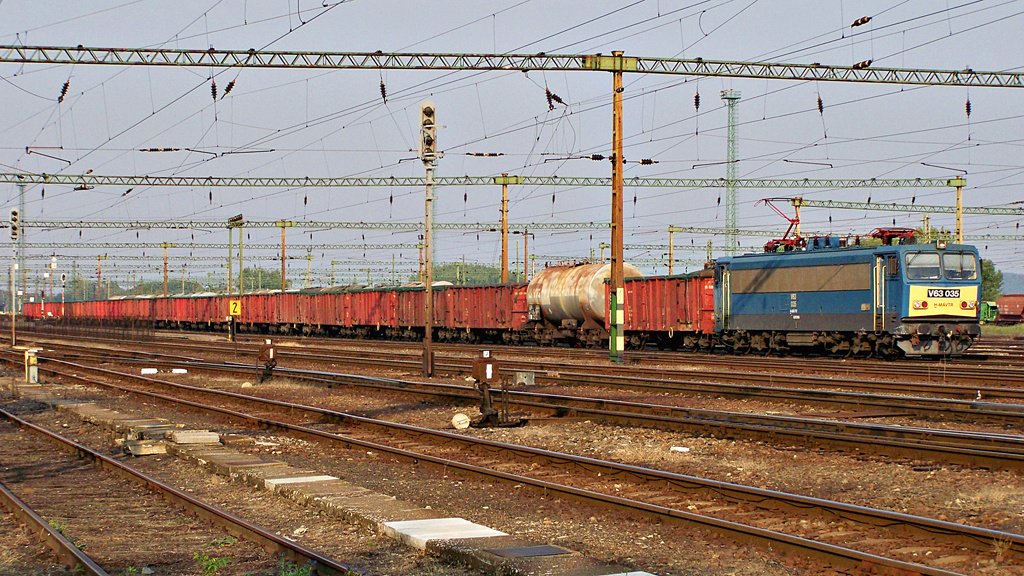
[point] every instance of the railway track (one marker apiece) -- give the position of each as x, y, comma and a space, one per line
120, 511
986, 371
797, 523
945, 402
977, 370
977, 449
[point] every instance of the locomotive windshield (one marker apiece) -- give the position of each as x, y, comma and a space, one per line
951, 265
959, 266
923, 266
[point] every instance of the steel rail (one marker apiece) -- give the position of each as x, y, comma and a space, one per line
65, 549
972, 537
765, 386
233, 524
753, 383
985, 450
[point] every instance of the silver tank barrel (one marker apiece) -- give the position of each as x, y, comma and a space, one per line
573, 292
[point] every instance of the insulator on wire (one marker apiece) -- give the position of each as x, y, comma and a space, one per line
228, 89
696, 101
63, 91
647, 161
967, 107
552, 98
597, 156
305, 199
862, 65
821, 105
860, 21
213, 89
383, 92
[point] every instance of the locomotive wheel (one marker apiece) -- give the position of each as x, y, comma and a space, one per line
959, 346
759, 344
779, 346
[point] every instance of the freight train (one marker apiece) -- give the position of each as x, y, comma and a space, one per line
829, 295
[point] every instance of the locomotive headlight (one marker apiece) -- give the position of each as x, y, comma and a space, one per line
968, 305
940, 244
920, 304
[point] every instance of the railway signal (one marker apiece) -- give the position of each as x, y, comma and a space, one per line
15, 222
428, 133
428, 154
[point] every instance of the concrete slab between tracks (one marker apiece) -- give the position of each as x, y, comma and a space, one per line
452, 539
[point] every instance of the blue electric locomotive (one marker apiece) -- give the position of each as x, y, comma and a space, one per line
914, 299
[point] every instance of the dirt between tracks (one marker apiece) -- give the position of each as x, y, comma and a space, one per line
22, 555
989, 499
365, 552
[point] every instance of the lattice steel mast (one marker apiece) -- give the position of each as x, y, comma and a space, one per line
732, 100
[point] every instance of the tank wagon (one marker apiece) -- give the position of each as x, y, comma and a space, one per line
889, 300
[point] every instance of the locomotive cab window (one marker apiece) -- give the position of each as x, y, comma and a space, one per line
959, 266
892, 266
923, 266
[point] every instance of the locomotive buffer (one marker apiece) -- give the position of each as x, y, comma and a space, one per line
486, 372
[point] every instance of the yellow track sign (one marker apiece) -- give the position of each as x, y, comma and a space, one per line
234, 307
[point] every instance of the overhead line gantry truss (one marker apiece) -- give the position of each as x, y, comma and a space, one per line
568, 181
213, 58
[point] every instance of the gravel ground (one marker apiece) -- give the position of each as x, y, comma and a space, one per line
365, 552
978, 497
22, 555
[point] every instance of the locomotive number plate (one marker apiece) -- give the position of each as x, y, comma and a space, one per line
943, 292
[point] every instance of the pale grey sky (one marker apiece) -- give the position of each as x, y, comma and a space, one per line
314, 123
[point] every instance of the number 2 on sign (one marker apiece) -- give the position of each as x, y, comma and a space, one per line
234, 307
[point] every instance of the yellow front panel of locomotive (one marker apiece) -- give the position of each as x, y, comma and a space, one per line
944, 301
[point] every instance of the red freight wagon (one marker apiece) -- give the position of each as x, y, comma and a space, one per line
374, 308
322, 308
1011, 309
284, 308
410, 306
499, 307
672, 310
